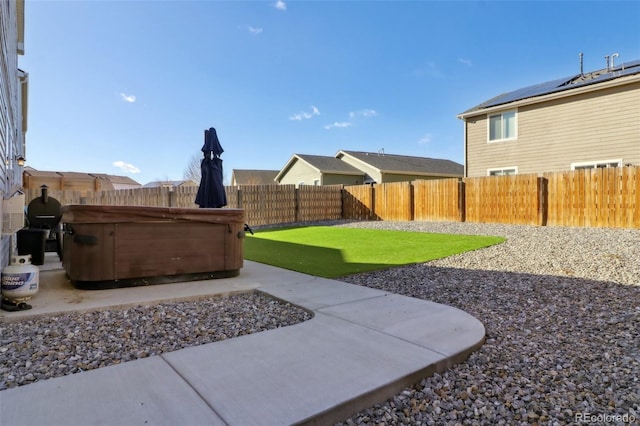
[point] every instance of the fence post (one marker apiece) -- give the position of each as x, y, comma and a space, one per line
296, 204
462, 207
239, 198
412, 212
372, 211
543, 201
172, 197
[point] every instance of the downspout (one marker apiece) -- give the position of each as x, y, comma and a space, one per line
464, 152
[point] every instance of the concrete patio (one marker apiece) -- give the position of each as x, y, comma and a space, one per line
361, 347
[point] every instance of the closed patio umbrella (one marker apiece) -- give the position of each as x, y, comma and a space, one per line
211, 192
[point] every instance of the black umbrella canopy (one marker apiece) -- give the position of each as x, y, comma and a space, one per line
211, 192
211, 143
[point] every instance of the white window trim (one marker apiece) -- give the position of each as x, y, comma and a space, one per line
499, 169
515, 111
593, 164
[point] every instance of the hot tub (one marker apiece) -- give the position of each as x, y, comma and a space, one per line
117, 246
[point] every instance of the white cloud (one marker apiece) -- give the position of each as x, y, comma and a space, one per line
305, 115
340, 125
128, 98
129, 168
466, 62
425, 139
280, 5
363, 113
253, 30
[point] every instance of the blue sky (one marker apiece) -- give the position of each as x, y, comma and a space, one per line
128, 87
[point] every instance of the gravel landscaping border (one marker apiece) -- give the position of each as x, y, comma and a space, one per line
50, 346
561, 307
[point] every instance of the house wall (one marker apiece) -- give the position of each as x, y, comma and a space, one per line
392, 177
300, 172
371, 172
340, 179
11, 129
599, 125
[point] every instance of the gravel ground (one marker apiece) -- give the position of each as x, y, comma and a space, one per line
52, 346
561, 307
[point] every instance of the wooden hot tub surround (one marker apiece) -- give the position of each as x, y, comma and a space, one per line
115, 246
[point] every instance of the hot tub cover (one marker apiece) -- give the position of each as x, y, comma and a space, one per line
138, 214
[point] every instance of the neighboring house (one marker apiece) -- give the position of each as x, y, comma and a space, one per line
13, 110
584, 121
169, 183
318, 170
382, 168
253, 177
357, 168
119, 182
75, 181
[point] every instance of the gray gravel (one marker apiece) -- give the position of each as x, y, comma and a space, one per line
52, 346
561, 307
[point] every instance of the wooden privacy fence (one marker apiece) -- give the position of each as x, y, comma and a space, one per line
263, 204
592, 197
595, 198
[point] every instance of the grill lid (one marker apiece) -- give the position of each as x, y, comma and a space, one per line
44, 211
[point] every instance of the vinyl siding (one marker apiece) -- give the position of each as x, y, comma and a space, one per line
300, 172
340, 179
11, 131
599, 125
393, 177
372, 172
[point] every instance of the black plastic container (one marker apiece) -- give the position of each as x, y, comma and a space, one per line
32, 241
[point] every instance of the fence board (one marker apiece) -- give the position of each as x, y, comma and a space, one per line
436, 200
510, 199
357, 203
319, 203
600, 197
393, 201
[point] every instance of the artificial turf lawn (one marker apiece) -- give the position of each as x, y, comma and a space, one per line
331, 252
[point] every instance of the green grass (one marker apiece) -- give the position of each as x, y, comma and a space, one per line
331, 252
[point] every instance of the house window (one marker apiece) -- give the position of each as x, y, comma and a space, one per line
503, 126
603, 164
503, 171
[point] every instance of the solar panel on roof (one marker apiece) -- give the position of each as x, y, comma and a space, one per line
628, 68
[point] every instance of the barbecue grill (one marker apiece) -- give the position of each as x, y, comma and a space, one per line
43, 220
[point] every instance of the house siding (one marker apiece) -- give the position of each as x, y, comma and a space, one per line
300, 172
371, 172
393, 177
340, 179
599, 125
11, 129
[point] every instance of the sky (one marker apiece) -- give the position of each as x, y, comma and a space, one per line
128, 88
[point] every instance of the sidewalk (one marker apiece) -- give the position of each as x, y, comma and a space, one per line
362, 347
